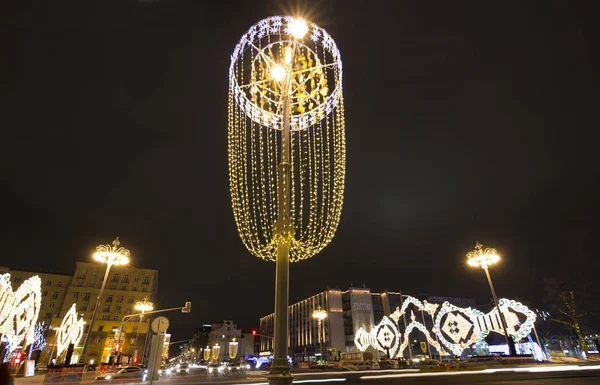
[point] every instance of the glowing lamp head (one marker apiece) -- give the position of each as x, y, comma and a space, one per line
277, 73
112, 255
298, 28
319, 314
144, 306
481, 257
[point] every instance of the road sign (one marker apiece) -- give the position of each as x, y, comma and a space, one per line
160, 325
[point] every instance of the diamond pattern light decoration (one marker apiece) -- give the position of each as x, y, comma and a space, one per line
70, 330
19, 311
457, 327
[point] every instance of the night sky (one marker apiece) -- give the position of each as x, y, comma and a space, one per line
465, 121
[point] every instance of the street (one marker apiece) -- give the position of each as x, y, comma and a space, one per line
551, 374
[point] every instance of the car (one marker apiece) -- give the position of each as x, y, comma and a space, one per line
182, 369
480, 361
128, 372
388, 364
165, 370
235, 367
366, 365
427, 364
215, 369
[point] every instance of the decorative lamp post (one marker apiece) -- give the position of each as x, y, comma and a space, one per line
320, 315
233, 349
287, 151
484, 258
206, 354
141, 306
112, 256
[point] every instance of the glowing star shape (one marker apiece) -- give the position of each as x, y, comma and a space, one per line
70, 330
457, 327
19, 311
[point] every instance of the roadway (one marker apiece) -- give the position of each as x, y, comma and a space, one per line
538, 375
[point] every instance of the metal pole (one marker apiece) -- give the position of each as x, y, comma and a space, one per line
280, 369
87, 337
153, 361
137, 332
509, 341
321, 339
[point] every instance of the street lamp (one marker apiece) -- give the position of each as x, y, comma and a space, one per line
141, 306
287, 151
111, 255
320, 315
484, 258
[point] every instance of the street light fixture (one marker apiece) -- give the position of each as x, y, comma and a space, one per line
484, 258
320, 315
141, 306
287, 151
110, 255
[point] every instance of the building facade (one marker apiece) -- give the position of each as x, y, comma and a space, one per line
223, 334
347, 311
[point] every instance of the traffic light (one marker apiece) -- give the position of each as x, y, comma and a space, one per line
187, 308
117, 348
18, 358
253, 332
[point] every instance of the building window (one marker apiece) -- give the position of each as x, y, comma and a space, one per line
128, 309
86, 297
132, 341
79, 284
146, 281
124, 287
83, 307
45, 293
115, 278
59, 284
107, 308
134, 288
115, 318
48, 283
97, 339
55, 295
51, 304
130, 300
120, 299
118, 308
126, 278
94, 276
101, 328
109, 298
144, 289
17, 280
76, 295
136, 279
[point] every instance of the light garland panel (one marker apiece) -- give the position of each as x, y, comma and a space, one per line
317, 137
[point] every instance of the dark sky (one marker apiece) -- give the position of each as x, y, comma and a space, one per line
465, 121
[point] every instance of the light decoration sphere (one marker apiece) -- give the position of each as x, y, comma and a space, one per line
277, 52
112, 254
481, 257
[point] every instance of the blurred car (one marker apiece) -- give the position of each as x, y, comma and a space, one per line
366, 365
215, 369
182, 369
428, 364
235, 367
478, 361
165, 370
388, 364
128, 372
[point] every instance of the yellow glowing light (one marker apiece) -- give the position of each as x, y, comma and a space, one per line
298, 28
112, 255
278, 73
288, 55
144, 306
319, 314
481, 257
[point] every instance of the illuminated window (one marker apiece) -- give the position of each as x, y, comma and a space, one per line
126, 279
86, 297
118, 308
109, 298
136, 279
115, 278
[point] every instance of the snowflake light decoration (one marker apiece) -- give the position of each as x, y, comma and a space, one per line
70, 330
19, 310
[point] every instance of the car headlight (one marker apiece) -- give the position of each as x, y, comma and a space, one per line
107, 377
187, 370
210, 370
220, 368
247, 366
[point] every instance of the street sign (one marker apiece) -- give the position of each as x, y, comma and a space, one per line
160, 325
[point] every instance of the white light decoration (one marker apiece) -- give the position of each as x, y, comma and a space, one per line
19, 311
233, 349
70, 330
384, 337
215, 352
456, 328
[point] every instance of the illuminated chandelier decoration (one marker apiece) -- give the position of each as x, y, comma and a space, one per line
293, 60
70, 330
19, 311
215, 352
233, 349
456, 328
207, 354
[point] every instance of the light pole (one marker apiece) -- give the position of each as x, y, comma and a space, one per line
143, 307
111, 255
287, 151
320, 315
484, 258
